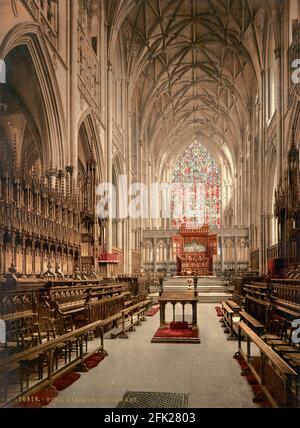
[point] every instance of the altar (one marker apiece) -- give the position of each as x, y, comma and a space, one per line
178, 331
194, 249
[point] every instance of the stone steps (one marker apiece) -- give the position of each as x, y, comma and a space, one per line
204, 289
211, 291
200, 290
213, 297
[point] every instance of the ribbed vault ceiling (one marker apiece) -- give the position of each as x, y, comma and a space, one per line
190, 72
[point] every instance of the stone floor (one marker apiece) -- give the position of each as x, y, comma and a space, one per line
207, 372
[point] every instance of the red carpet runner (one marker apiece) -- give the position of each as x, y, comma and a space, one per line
94, 360
168, 332
152, 311
259, 396
177, 331
219, 311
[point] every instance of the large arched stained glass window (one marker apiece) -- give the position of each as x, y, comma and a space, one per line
196, 188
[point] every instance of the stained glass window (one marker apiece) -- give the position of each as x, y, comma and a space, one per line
196, 191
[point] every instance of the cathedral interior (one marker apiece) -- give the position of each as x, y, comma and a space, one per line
149, 191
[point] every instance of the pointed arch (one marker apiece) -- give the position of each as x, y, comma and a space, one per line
88, 120
30, 36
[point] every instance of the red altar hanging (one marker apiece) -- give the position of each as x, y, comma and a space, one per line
194, 249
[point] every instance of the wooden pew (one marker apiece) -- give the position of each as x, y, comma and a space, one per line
229, 308
17, 304
257, 326
131, 317
46, 350
264, 365
72, 300
27, 312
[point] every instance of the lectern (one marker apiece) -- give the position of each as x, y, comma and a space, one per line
178, 331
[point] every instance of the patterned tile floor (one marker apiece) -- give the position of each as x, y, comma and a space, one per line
156, 400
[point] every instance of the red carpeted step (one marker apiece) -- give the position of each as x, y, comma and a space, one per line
73, 376
152, 311
219, 311
168, 332
256, 389
179, 325
242, 364
94, 360
251, 379
91, 364
66, 380
96, 357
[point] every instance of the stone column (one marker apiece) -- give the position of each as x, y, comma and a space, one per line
279, 79
263, 139
124, 245
154, 254
129, 171
120, 234
162, 313
236, 188
174, 311
222, 253
235, 253
1, 253
74, 95
145, 214
137, 240
168, 254
109, 149
149, 175
194, 308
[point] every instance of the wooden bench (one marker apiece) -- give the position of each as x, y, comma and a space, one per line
257, 326
267, 357
134, 315
229, 308
134, 319
233, 305
284, 344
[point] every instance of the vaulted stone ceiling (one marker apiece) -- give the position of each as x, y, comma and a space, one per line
191, 65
